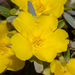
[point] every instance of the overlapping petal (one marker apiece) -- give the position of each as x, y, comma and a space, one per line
71, 66
3, 63
3, 29
59, 1
15, 64
45, 53
57, 10
21, 46
24, 23
22, 4
67, 73
56, 67
59, 40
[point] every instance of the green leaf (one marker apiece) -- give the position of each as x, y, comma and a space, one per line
38, 65
18, 12
10, 35
13, 11
10, 19
67, 8
62, 60
4, 11
69, 19
67, 55
73, 55
72, 12
61, 24
31, 8
73, 45
47, 71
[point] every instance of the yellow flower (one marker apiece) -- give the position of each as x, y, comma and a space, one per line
7, 58
57, 68
55, 7
38, 37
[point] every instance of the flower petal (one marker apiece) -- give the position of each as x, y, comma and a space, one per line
45, 53
3, 29
58, 1
71, 66
59, 40
67, 73
21, 46
56, 67
22, 4
4, 62
15, 63
57, 9
46, 23
24, 23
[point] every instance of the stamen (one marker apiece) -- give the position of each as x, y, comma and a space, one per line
37, 41
39, 7
3, 48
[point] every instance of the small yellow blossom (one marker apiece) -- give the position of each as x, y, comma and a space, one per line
39, 37
55, 7
7, 58
58, 69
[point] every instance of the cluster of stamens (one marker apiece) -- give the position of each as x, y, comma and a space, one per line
3, 48
37, 41
39, 7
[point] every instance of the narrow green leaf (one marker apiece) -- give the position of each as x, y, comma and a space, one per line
61, 24
38, 66
47, 71
69, 19
62, 60
4, 11
67, 55
18, 12
13, 11
73, 55
10, 19
67, 8
10, 35
31, 8
72, 12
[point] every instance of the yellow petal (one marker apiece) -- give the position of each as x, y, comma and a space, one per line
44, 1
21, 46
45, 53
22, 4
56, 67
15, 64
3, 29
58, 1
57, 9
71, 66
46, 22
67, 73
59, 40
24, 23
61, 34
9, 52
4, 62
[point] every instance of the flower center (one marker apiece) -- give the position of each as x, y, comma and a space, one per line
3, 48
37, 41
39, 7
